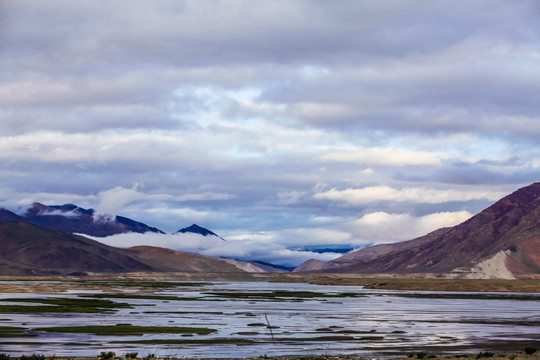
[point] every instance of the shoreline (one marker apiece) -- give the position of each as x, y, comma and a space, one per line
413, 282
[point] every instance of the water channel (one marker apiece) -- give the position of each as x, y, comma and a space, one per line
277, 319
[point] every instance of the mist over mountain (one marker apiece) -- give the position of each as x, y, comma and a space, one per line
502, 241
70, 218
196, 229
27, 249
119, 231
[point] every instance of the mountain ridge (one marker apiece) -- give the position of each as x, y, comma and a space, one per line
501, 241
506, 234
196, 229
73, 219
27, 249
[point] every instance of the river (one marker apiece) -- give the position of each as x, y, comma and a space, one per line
278, 319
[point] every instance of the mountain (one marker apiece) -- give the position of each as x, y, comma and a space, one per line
196, 229
27, 249
502, 241
70, 218
257, 266
162, 259
6, 215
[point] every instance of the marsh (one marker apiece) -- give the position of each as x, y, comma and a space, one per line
241, 319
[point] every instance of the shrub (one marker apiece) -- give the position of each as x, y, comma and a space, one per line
149, 357
132, 355
107, 355
484, 354
530, 350
32, 357
4, 356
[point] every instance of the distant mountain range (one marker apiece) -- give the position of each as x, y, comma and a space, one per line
502, 241
196, 229
44, 240
27, 249
72, 219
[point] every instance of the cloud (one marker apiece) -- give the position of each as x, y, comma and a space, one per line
113, 200
382, 227
289, 197
59, 213
287, 119
284, 247
244, 249
372, 194
383, 156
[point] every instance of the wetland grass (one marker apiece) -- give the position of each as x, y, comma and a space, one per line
143, 284
61, 305
279, 295
13, 331
143, 297
127, 329
217, 341
417, 282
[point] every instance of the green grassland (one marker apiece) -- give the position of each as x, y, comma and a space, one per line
127, 329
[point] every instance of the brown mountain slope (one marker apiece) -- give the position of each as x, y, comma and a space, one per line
29, 249
171, 260
6, 215
503, 239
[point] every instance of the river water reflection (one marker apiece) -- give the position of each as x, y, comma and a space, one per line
303, 319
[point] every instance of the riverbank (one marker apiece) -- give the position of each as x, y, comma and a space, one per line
370, 281
185, 316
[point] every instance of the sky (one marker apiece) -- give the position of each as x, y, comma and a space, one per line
280, 125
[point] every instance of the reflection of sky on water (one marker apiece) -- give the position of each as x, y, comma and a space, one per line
411, 322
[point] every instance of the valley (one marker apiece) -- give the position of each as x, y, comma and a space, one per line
174, 317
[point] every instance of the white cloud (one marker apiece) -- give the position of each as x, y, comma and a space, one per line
243, 249
382, 227
299, 237
372, 194
113, 200
383, 156
290, 197
176, 241
60, 213
388, 105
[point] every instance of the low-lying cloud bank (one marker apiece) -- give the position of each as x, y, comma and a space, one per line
248, 250
286, 247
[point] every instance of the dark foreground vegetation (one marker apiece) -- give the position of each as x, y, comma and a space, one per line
528, 354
